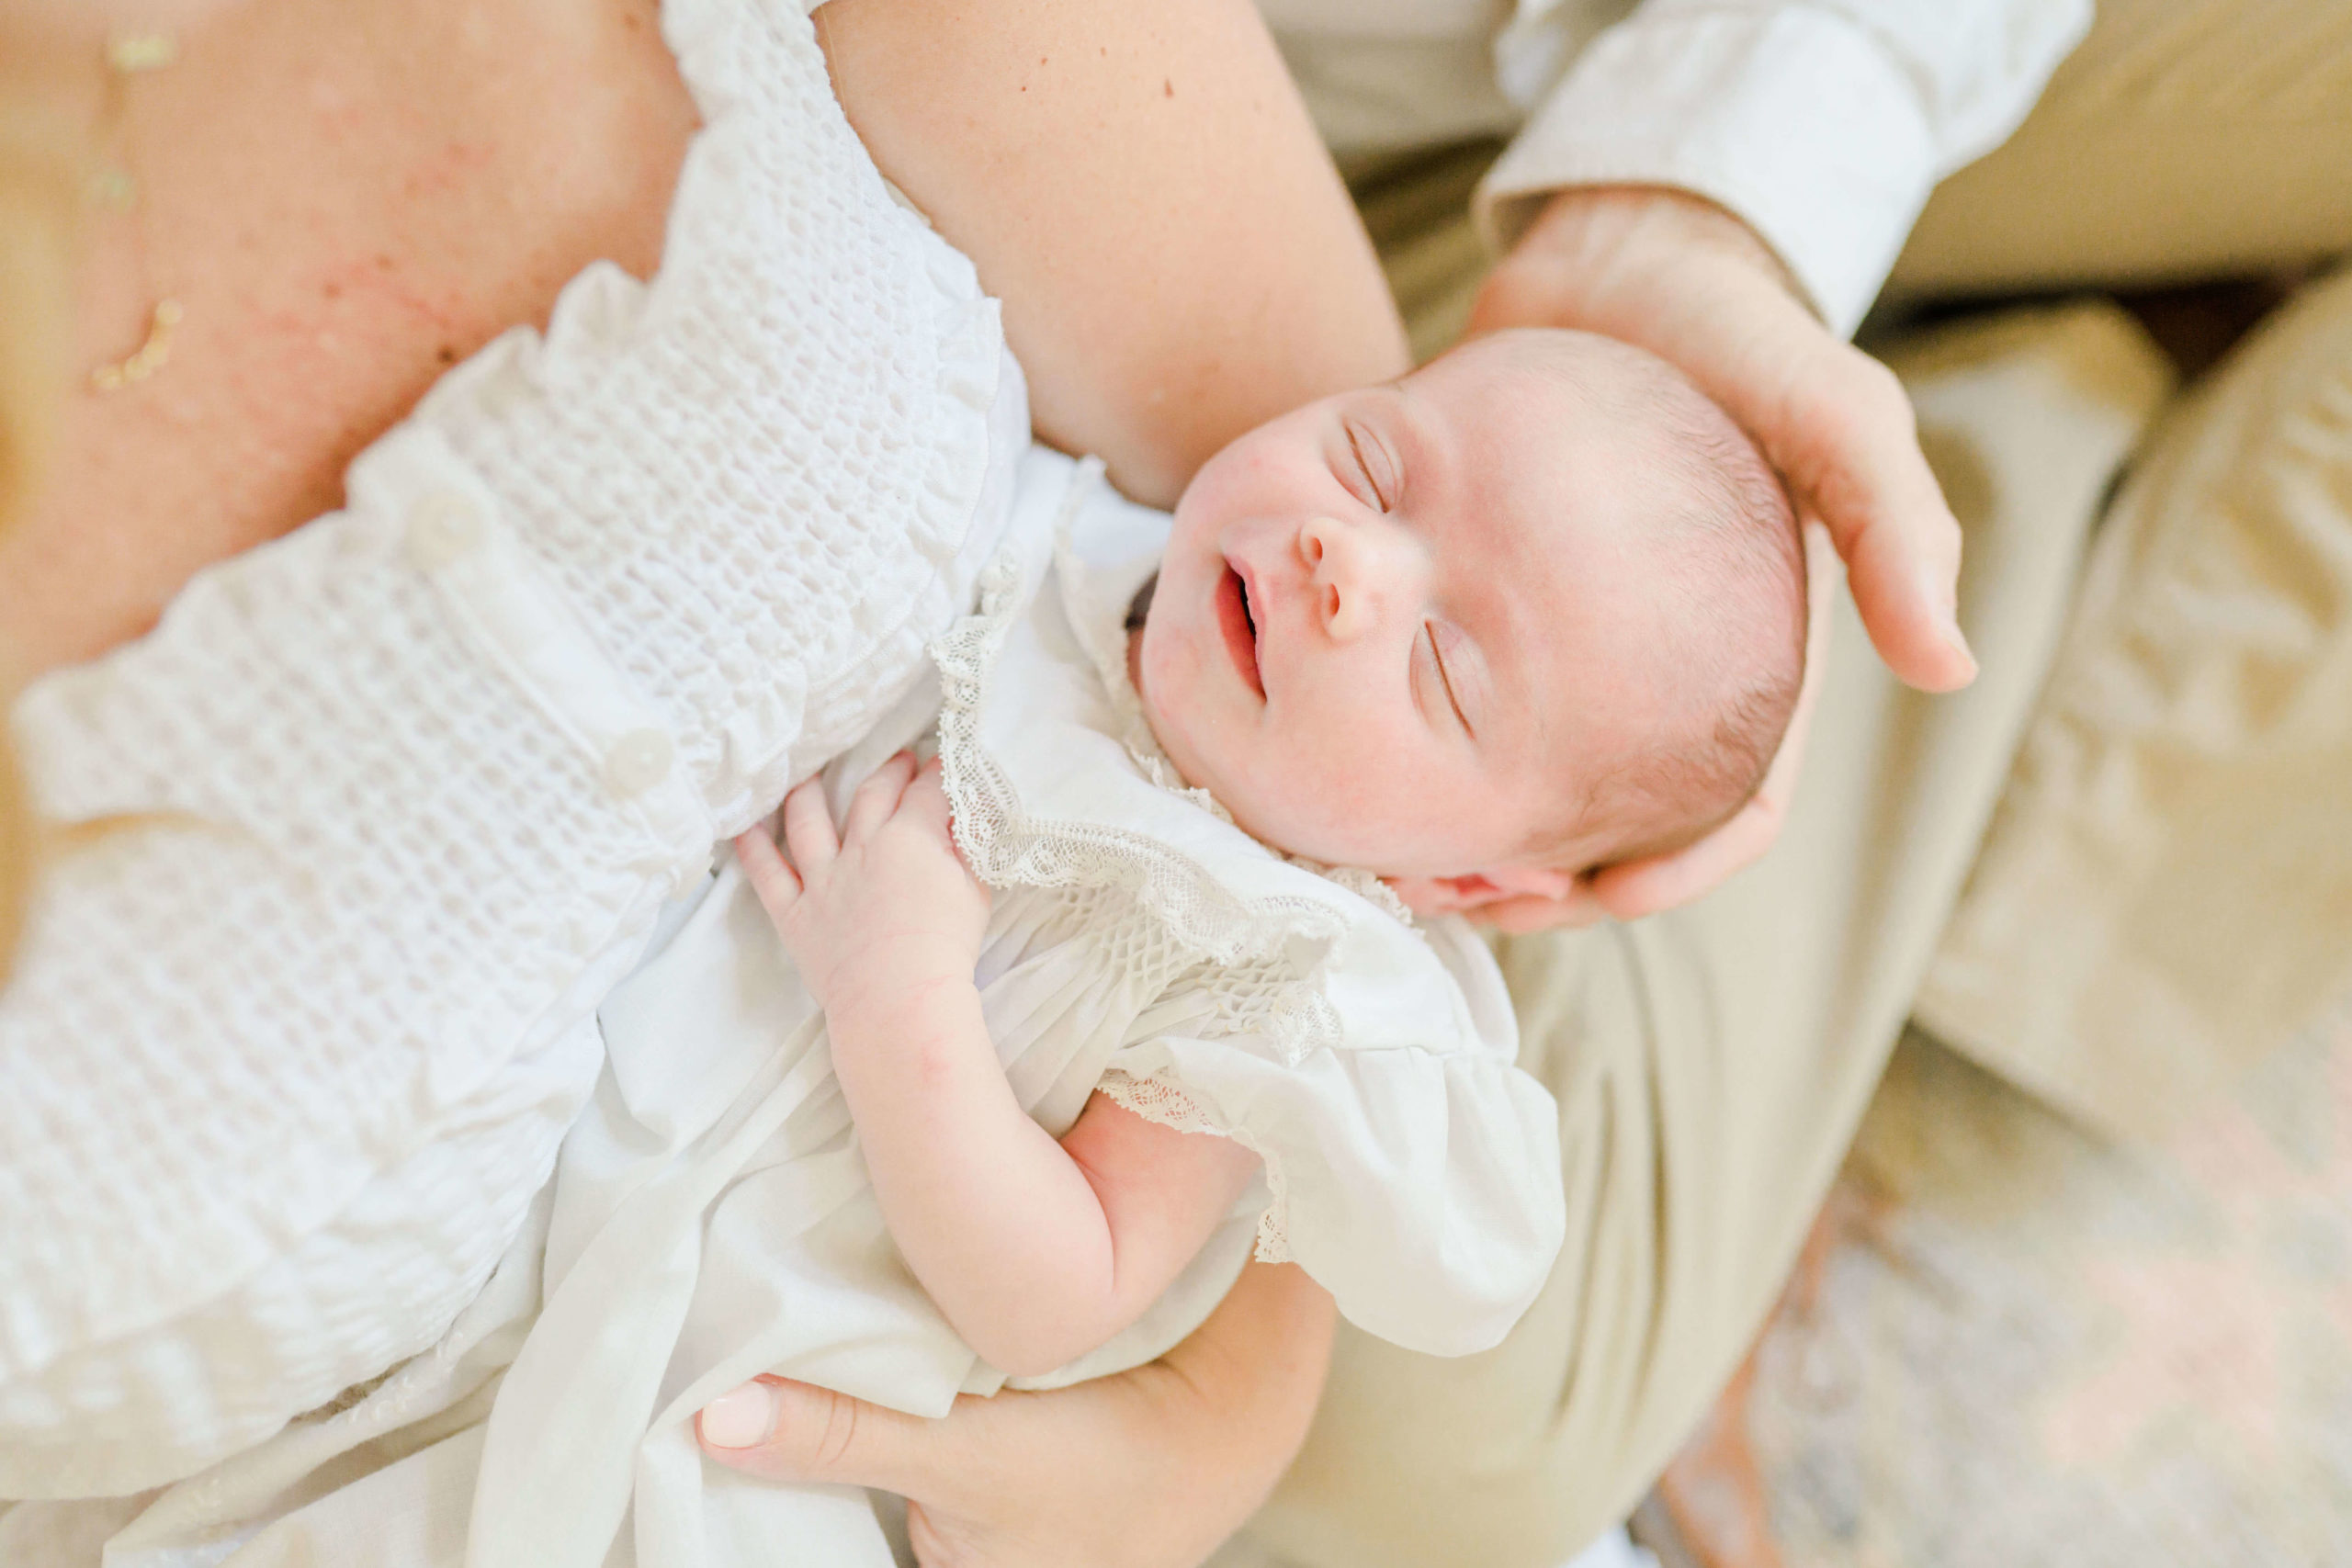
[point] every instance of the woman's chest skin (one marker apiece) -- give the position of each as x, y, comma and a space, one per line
344, 198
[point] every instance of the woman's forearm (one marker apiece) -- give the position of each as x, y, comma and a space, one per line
1138, 181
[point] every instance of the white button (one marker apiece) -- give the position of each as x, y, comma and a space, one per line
441, 528
638, 762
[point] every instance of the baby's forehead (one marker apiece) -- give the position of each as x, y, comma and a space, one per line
1598, 526
1556, 450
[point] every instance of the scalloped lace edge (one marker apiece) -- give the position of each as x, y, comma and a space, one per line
1164, 1102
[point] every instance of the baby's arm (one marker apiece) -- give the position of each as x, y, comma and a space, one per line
1036, 1251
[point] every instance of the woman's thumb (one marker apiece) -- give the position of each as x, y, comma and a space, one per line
795, 1431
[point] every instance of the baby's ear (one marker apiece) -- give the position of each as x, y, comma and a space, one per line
1475, 890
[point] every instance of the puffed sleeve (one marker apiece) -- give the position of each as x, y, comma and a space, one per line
1822, 124
1420, 1184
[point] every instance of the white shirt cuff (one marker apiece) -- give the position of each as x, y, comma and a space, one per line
1796, 120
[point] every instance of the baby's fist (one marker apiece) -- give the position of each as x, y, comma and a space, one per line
881, 904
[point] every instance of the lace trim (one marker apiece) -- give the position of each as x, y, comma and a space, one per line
1005, 847
1164, 1103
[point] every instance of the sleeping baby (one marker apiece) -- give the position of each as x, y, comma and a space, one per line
1003, 1069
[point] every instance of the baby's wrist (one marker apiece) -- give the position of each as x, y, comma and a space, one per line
918, 975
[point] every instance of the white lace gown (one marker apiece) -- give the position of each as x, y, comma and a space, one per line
712, 1218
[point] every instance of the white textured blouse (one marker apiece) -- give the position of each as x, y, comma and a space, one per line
288, 1053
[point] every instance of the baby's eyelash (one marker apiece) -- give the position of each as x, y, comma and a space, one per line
1355, 446
1437, 659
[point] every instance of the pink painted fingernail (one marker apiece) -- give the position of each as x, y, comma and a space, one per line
739, 1418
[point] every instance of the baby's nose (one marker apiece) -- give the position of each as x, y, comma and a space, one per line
1338, 563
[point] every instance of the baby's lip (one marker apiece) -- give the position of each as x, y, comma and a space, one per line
1241, 633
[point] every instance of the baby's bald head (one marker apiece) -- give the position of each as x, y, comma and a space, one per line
1719, 566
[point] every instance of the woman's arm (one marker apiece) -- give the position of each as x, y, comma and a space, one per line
1037, 1250
1138, 182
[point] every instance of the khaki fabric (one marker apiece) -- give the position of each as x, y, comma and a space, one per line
2182, 139
1711, 1065
2165, 896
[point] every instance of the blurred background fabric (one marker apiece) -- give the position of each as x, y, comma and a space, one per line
2016, 1341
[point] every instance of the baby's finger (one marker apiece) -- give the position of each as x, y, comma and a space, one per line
926, 800
926, 803
776, 884
878, 797
808, 828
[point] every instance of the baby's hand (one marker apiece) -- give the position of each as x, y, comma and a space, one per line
883, 905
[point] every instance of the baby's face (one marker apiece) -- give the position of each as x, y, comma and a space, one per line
1396, 629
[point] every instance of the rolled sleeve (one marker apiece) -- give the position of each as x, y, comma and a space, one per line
1824, 129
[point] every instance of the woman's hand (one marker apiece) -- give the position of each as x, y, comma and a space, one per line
884, 903
1631, 889
1690, 282
1694, 285
1150, 1469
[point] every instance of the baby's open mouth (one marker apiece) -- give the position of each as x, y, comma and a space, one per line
1239, 627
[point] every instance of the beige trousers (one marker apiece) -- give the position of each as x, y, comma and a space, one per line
2172, 856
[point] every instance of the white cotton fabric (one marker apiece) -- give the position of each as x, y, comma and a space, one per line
1823, 123
711, 1217
286, 1054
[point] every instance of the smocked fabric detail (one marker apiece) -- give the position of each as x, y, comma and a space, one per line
285, 1055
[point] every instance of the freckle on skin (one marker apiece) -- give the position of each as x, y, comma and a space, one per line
1166, 86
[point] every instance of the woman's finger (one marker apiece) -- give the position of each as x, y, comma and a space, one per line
1527, 912
1691, 283
773, 880
877, 796
1844, 435
1191, 1444
808, 828
1840, 428
798, 1432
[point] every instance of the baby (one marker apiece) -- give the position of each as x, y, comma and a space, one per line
1535, 609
